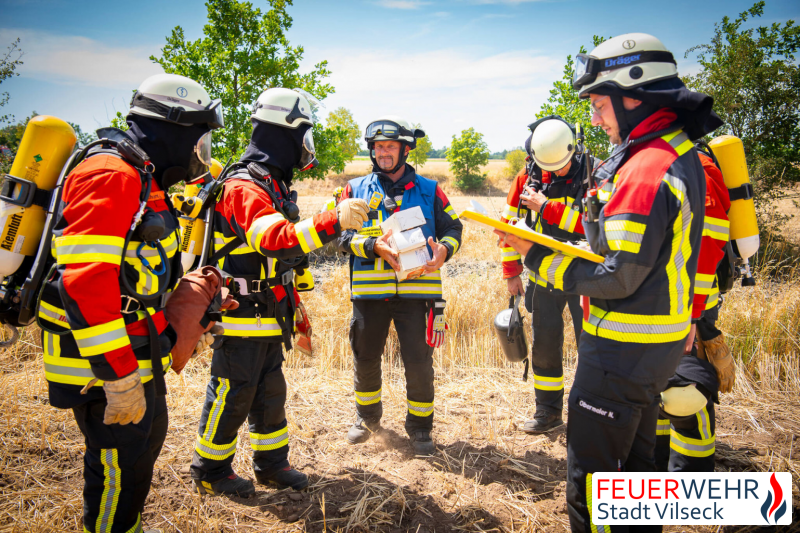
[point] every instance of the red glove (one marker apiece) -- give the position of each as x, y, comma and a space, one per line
436, 324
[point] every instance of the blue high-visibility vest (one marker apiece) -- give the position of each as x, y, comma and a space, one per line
374, 278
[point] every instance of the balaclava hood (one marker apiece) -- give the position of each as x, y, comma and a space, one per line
693, 108
170, 147
277, 147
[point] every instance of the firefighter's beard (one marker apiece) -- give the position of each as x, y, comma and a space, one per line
386, 162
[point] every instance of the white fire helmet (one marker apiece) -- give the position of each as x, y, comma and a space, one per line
283, 107
552, 144
176, 99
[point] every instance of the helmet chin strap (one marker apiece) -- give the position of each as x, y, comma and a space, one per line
400, 163
625, 128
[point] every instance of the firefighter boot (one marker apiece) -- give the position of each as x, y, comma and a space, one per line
542, 422
422, 442
284, 478
362, 430
232, 485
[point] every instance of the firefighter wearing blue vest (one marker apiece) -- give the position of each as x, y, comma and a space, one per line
415, 305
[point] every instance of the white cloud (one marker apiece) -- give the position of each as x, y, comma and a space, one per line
402, 4
77, 60
444, 90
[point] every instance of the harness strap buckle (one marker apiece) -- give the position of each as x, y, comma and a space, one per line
256, 285
126, 307
287, 277
243, 286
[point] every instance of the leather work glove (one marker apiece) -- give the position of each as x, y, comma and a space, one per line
207, 339
436, 324
352, 213
719, 355
125, 399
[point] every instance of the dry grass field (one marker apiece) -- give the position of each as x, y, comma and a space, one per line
485, 476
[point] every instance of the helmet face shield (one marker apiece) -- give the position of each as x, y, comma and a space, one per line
203, 149
211, 115
217, 116
588, 67
308, 159
583, 73
385, 128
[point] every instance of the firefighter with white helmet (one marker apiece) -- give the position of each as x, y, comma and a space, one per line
547, 195
415, 305
643, 213
116, 248
260, 240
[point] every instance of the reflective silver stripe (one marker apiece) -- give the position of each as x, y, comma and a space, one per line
551, 271
365, 398
306, 231
692, 447
571, 214
622, 327
56, 317
420, 409
70, 249
266, 442
717, 228
261, 225
112, 485
705, 428
623, 235
268, 326
211, 422
678, 140
147, 281
170, 246
702, 284
87, 372
512, 253
97, 340
216, 453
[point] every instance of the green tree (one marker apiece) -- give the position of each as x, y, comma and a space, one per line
419, 155
10, 137
754, 78
515, 160
344, 118
564, 101
244, 51
466, 155
84, 137
8, 66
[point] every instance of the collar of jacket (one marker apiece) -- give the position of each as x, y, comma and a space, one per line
660, 120
398, 186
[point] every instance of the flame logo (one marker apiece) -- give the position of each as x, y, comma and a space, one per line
775, 506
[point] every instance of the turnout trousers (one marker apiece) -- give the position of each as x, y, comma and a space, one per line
369, 329
688, 443
546, 306
613, 411
118, 464
246, 383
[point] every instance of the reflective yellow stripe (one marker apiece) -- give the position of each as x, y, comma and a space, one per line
625, 327
553, 268
220, 241
112, 485
215, 452
712, 300
102, 338
53, 314
217, 408
74, 371
70, 249
692, 447
548, 383
259, 227
510, 254
679, 141
511, 211
594, 528
681, 249
422, 409
269, 441
170, 245
535, 278
624, 235
368, 398
357, 245
704, 283
450, 211
428, 284
307, 235
452, 242
663, 427
251, 327
569, 219
716, 228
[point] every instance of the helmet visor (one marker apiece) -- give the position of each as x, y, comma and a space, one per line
307, 159
203, 149
216, 116
385, 128
583, 71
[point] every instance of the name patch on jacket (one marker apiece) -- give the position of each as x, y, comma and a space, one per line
608, 413
371, 231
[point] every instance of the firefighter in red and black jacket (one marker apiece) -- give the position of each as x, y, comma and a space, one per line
111, 280
685, 436
638, 316
550, 189
258, 230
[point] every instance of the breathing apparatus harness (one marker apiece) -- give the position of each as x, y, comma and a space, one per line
256, 287
146, 226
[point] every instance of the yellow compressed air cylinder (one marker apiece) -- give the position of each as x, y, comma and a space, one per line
44, 150
729, 152
193, 229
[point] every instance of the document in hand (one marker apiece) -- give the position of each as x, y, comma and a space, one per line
477, 213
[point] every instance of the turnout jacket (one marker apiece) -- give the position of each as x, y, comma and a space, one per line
370, 276
270, 245
716, 233
90, 329
561, 213
649, 232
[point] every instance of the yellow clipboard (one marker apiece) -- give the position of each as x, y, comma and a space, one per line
538, 238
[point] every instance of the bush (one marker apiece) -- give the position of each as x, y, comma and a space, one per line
515, 160
466, 155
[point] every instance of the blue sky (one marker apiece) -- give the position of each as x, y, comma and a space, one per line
447, 64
